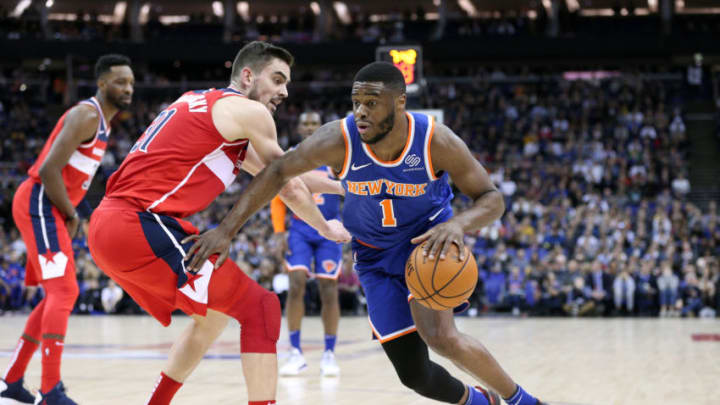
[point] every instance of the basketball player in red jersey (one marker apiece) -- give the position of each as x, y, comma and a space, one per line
189, 154
44, 212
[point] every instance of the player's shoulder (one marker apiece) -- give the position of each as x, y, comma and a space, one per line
334, 127
83, 114
443, 136
242, 106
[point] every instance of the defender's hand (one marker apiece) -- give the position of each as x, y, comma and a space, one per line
336, 232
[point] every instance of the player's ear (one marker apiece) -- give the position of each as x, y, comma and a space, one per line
101, 82
246, 77
400, 101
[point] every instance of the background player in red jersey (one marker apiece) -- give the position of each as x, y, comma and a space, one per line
374, 143
44, 212
188, 156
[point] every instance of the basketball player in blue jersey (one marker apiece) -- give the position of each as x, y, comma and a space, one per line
394, 166
305, 245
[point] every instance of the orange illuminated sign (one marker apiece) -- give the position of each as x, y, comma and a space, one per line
405, 60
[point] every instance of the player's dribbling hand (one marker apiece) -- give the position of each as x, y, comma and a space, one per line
439, 237
336, 232
207, 244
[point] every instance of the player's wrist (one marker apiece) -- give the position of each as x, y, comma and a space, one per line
226, 229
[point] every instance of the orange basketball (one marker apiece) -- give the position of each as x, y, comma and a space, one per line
441, 284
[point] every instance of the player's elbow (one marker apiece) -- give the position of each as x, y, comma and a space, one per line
497, 203
45, 172
292, 190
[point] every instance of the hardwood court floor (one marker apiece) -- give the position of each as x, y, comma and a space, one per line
115, 360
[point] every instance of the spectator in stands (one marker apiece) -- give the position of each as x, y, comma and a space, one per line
111, 296
646, 284
624, 291
690, 295
668, 284
600, 284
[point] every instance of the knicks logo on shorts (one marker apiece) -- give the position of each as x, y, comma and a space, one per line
329, 265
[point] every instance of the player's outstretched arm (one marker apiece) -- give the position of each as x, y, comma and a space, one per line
450, 154
240, 118
316, 182
79, 126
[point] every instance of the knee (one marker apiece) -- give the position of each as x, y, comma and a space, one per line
261, 329
64, 294
417, 380
297, 284
328, 289
411, 377
443, 342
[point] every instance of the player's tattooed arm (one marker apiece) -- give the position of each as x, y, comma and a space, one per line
79, 126
450, 154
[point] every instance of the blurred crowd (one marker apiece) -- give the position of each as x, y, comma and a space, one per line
594, 173
303, 25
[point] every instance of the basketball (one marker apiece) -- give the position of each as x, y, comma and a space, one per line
441, 284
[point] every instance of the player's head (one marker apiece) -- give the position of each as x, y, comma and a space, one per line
308, 123
115, 79
262, 71
378, 93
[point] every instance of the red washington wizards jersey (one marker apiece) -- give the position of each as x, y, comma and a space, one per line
84, 162
181, 163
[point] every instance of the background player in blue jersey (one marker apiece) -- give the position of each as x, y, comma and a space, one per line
305, 246
394, 167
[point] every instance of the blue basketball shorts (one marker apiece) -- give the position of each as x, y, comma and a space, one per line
302, 249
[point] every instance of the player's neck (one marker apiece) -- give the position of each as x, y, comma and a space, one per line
390, 147
108, 109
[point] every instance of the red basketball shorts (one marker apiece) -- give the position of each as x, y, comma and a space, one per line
143, 253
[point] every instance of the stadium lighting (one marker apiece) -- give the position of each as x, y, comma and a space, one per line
468, 7
243, 8
119, 12
573, 5
49, 3
144, 13
342, 12
547, 4
315, 7
218, 9
21, 6
653, 5
679, 4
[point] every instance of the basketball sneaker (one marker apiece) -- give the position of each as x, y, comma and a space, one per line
55, 396
295, 365
492, 396
14, 393
328, 365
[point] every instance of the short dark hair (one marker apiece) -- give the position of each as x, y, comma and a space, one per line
106, 62
384, 72
257, 54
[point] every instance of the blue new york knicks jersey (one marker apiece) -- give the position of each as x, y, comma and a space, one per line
388, 203
329, 205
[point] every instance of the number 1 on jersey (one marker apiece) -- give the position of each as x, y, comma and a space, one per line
388, 212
